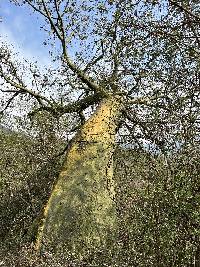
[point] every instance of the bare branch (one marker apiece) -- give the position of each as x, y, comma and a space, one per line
61, 23
36, 9
93, 62
82, 104
182, 8
60, 33
48, 16
10, 101
23, 89
142, 100
147, 133
84, 78
148, 101
193, 30
77, 106
9, 91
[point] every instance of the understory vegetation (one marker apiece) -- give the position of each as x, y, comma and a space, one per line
157, 198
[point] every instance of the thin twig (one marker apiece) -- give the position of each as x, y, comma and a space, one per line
185, 9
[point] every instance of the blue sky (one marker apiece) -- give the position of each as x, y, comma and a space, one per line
21, 28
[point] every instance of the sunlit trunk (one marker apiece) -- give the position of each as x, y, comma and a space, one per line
80, 214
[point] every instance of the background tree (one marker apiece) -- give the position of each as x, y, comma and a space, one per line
139, 61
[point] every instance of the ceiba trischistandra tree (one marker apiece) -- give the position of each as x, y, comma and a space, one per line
132, 59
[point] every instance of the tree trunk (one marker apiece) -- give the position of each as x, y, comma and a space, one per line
80, 214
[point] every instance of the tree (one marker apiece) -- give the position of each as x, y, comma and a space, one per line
139, 62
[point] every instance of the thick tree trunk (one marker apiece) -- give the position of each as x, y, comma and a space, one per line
80, 214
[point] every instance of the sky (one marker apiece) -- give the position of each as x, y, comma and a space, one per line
21, 28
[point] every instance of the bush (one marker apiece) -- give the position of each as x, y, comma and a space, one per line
157, 201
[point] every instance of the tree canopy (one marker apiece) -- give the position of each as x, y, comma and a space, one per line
146, 52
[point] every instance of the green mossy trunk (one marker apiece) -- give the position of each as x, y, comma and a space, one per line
80, 215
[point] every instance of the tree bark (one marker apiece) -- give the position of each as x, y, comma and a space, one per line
80, 215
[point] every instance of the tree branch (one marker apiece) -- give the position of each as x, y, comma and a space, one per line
182, 8
145, 129
61, 36
84, 78
78, 106
36, 9
194, 31
82, 104
61, 21
94, 61
23, 89
141, 100
148, 102
10, 101
48, 16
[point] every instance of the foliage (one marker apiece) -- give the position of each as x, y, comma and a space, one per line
29, 166
157, 200
159, 209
